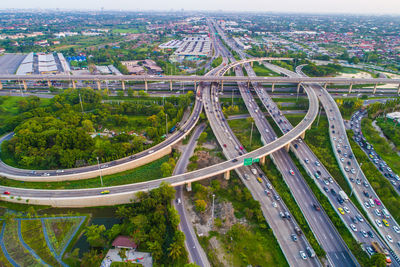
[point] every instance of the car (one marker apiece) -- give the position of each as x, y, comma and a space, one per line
317, 164
294, 237
46, 174
341, 210
277, 198
370, 250
366, 193
291, 172
366, 184
59, 171
6, 193
364, 234
234, 160
389, 238
396, 229
246, 176
342, 159
366, 204
316, 207
347, 169
346, 209
377, 202
378, 212
378, 222
150, 151
353, 219
267, 192
370, 234
105, 192
359, 218
306, 161
326, 189
282, 215
224, 145
316, 175
259, 180
303, 255
353, 227
385, 222
393, 182
178, 200
274, 204
353, 171
287, 214
326, 181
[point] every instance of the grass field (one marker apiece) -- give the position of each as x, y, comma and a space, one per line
390, 130
380, 145
261, 70
242, 130
3, 260
33, 235
143, 173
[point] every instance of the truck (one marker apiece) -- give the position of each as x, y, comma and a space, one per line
379, 249
343, 195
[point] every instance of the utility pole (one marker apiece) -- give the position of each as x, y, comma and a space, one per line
212, 211
251, 132
232, 97
166, 125
80, 100
358, 172
98, 165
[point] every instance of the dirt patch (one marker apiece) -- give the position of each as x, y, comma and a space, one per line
219, 251
205, 159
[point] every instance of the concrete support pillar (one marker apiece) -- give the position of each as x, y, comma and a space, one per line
273, 87
373, 92
298, 87
251, 63
145, 86
262, 161
222, 86
325, 85
123, 85
74, 84
170, 85
25, 85
98, 85
287, 147
398, 89
49, 83
303, 135
189, 186
1, 85
227, 175
195, 86
350, 88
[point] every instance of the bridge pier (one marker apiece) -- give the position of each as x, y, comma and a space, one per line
350, 88
98, 85
303, 135
25, 85
251, 63
373, 92
398, 90
49, 83
273, 87
195, 86
227, 175
170, 85
123, 85
325, 85
248, 85
1, 85
262, 160
287, 147
222, 86
298, 87
74, 84
145, 85
189, 186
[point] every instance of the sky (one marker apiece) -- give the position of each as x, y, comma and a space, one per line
298, 6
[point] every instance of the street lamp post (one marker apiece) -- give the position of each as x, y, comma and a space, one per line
98, 165
166, 125
251, 132
358, 172
212, 211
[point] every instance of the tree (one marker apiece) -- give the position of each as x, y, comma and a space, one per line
378, 260
200, 205
120, 93
166, 169
87, 126
130, 92
202, 137
95, 235
91, 258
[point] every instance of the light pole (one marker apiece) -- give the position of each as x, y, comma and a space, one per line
319, 114
166, 125
212, 210
98, 165
251, 132
358, 172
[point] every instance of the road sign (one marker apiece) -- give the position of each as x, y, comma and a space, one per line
256, 160
248, 161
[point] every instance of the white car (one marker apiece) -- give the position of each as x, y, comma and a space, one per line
353, 227
378, 222
378, 212
274, 204
346, 209
389, 238
396, 229
364, 234
366, 204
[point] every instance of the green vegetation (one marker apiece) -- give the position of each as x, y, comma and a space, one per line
3, 260
280, 186
58, 135
380, 145
32, 233
151, 222
216, 62
314, 70
348, 106
245, 244
261, 70
390, 130
242, 129
380, 184
125, 264
143, 173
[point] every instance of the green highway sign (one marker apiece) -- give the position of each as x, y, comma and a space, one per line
248, 161
256, 160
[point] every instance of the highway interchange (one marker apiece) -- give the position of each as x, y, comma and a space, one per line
337, 251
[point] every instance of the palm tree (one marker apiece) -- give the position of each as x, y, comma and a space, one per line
175, 250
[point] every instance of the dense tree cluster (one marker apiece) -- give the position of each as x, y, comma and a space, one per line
152, 223
321, 70
58, 135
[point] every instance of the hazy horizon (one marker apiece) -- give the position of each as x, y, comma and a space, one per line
391, 7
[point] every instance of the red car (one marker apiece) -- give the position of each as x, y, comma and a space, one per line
224, 145
377, 202
6, 193
291, 172
241, 148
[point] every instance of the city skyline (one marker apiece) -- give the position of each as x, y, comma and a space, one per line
291, 6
